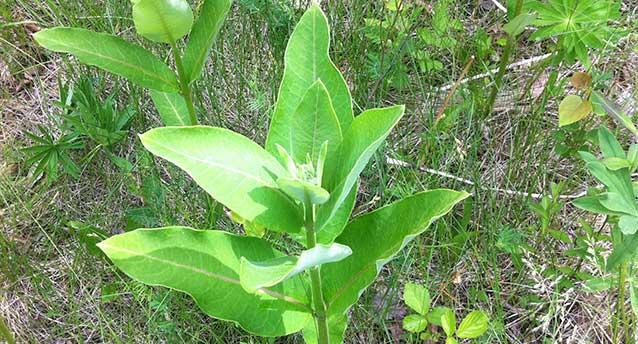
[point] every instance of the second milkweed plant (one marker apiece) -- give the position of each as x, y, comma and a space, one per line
161, 21
303, 183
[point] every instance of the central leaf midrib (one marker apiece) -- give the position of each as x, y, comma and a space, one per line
132, 66
222, 278
232, 170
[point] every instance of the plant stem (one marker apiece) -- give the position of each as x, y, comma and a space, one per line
498, 81
621, 316
184, 84
321, 320
5, 332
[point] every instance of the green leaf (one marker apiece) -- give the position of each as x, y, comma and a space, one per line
329, 231
163, 21
572, 109
448, 322
613, 111
417, 297
434, 317
614, 163
313, 123
205, 265
255, 275
623, 251
517, 25
208, 23
617, 203
592, 204
451, 340
628, 224
112, 54
301, 190
474, 325
362, 139
306, 61
375, 238
414, 323
598, 284
609, 145
621, 194
233, 169
172, 108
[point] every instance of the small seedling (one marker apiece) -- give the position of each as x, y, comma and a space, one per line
417, 297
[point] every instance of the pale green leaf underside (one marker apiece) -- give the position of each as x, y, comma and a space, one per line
201, 39
375, 238
205, 265
163, 21
112, 54
361, 140
236, 171
302, 191
172, 108
307, 60
255, 275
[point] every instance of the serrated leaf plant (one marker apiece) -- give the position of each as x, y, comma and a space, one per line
579, 25
618, 201
302, 184
417, 297
161, 21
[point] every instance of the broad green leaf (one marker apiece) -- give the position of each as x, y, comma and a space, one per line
163, 21
112, 54
329, 231
434, 317
572, 109
609, 145
448, 322
628, 224
614, 163
473, 325
306, 61
375, 238
360, 141
301, 190
233, 169
172, 108
592, 204
201, 39
313, 123
255, 275
205, 265
414, 323
598, 284
517, 25
623, 251
613, 111
417, 297
616, 202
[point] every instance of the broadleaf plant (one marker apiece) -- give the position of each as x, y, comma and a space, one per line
303, 184
161, 21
